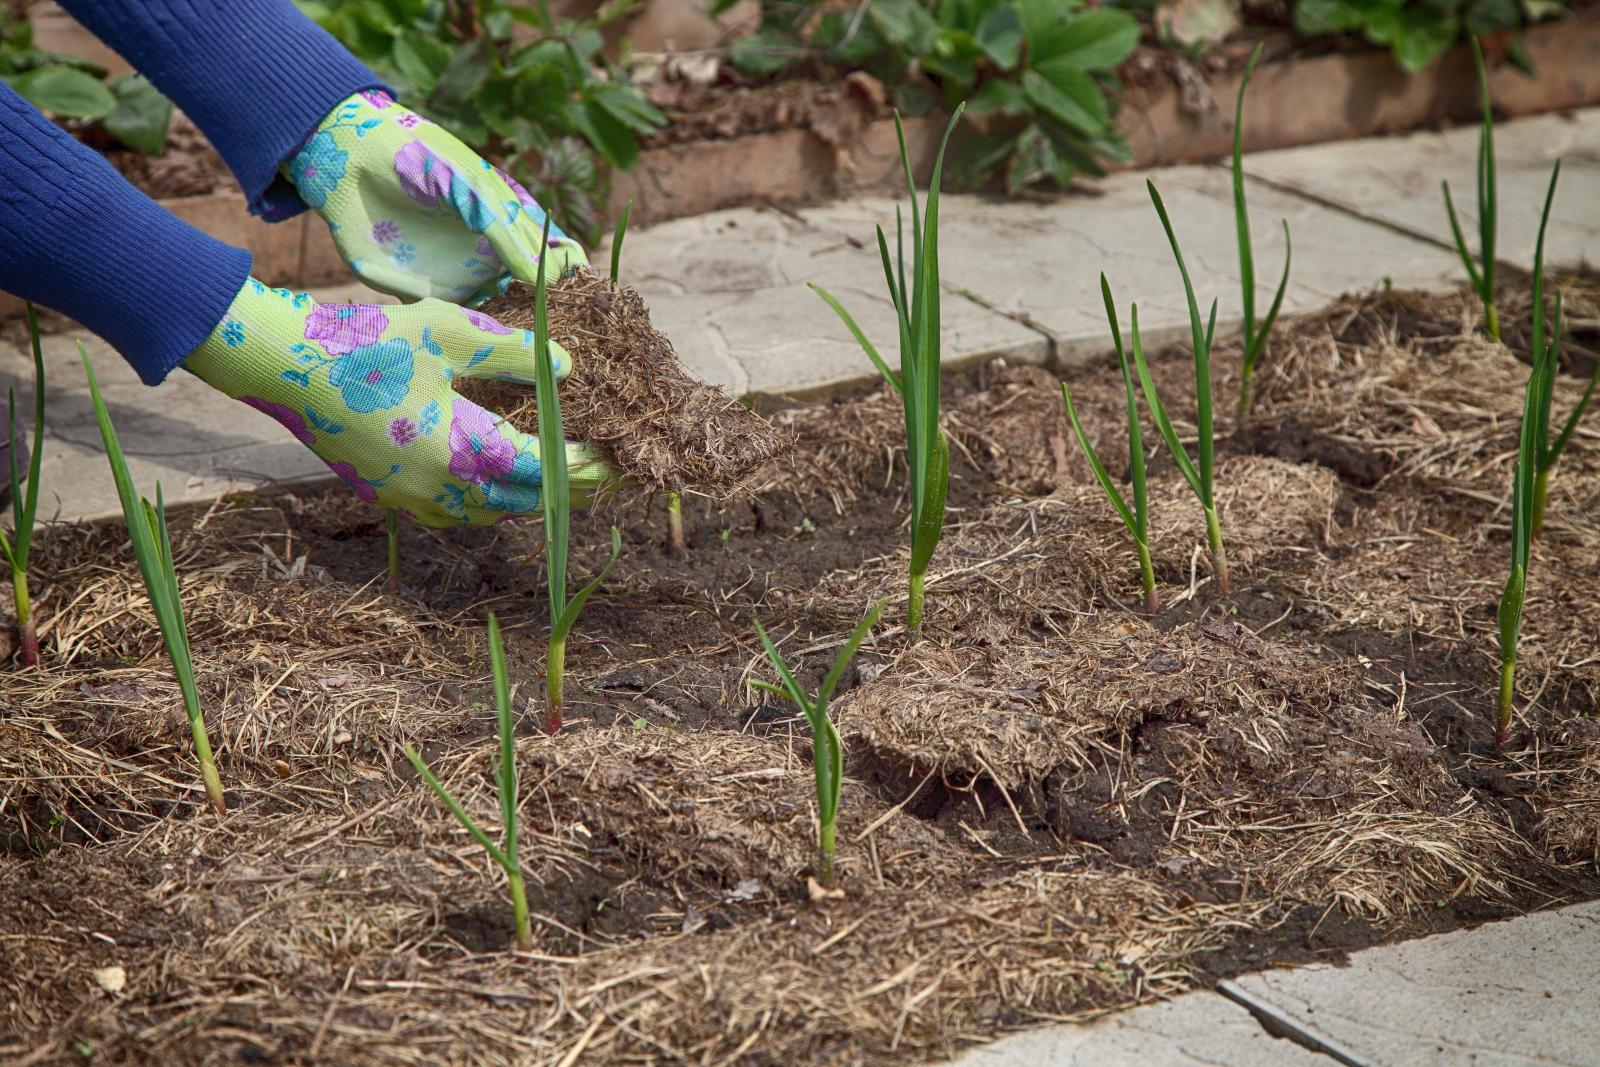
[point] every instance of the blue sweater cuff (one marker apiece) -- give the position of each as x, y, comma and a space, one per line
75, 237
256, 75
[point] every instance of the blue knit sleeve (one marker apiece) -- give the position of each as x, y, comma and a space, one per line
256, 75
77, 238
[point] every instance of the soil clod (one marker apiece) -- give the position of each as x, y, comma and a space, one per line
629, 396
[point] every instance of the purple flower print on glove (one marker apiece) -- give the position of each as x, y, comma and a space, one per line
353, 479
291, 419
386, 231
477, 451
487, 323
402, 431
342, 328
424, 176
377, 97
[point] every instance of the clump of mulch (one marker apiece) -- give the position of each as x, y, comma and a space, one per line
630, 397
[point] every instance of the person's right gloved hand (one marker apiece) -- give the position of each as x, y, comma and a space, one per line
367, 388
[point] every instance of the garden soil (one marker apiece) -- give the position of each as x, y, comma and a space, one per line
1054, 805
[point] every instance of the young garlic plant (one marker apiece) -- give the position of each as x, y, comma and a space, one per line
1482, 280
1546, 355
557, 505
1536, 459
675, 538
25, 504
1136, 518
504, 855
827, 757
920, 377
1255, 334
1199, 471
152, 547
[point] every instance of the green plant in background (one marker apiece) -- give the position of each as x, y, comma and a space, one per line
152, 547
25, 503
1417, 31
545, 103
128, 107
827, 757
1546, 357
391, 525
1255, 334
1034, 74
1488, 209
557, 506
920, 378
505, 856
1199, 471
1136, 518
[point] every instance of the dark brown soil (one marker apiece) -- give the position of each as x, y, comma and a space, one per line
188, 166
1054, 805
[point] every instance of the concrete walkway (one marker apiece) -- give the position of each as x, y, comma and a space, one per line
730, 287
1520, 993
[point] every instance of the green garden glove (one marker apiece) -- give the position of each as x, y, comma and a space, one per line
417, 213
367, 388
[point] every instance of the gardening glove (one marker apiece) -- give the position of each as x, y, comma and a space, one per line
417, 213
367, 388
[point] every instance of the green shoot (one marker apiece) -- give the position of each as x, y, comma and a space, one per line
1546, 358
1137, 518
1488, 207
505, 857
1198, 472
1255, 335
675, 521
616, 245
827, 758
919, 380
557, 506
391, 522
25, 504
147, 532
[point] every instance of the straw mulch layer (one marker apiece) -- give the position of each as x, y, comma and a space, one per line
630, 397
1054, 805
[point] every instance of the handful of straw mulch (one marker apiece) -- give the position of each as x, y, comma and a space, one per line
629, 396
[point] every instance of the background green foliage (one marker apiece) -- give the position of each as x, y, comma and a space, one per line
69, 87
530, 92
1418, 30
1033, 72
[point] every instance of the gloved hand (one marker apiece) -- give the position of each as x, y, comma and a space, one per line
417, 213
367, 388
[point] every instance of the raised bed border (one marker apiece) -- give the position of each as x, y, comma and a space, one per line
1292, 102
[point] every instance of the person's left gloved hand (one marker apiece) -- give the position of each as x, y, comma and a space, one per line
417, 213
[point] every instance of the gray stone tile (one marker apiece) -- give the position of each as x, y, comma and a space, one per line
1044, 259
1197, 1030
186, 435
729, 289
1396, 179
1518, 993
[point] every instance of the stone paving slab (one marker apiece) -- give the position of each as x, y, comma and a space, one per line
1396, 180
1197, 1030
729, 289
1044, 258
1519, 993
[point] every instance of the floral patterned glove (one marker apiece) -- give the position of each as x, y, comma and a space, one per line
417, 213
367, 388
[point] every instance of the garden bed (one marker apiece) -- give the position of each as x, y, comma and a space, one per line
1054, 805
